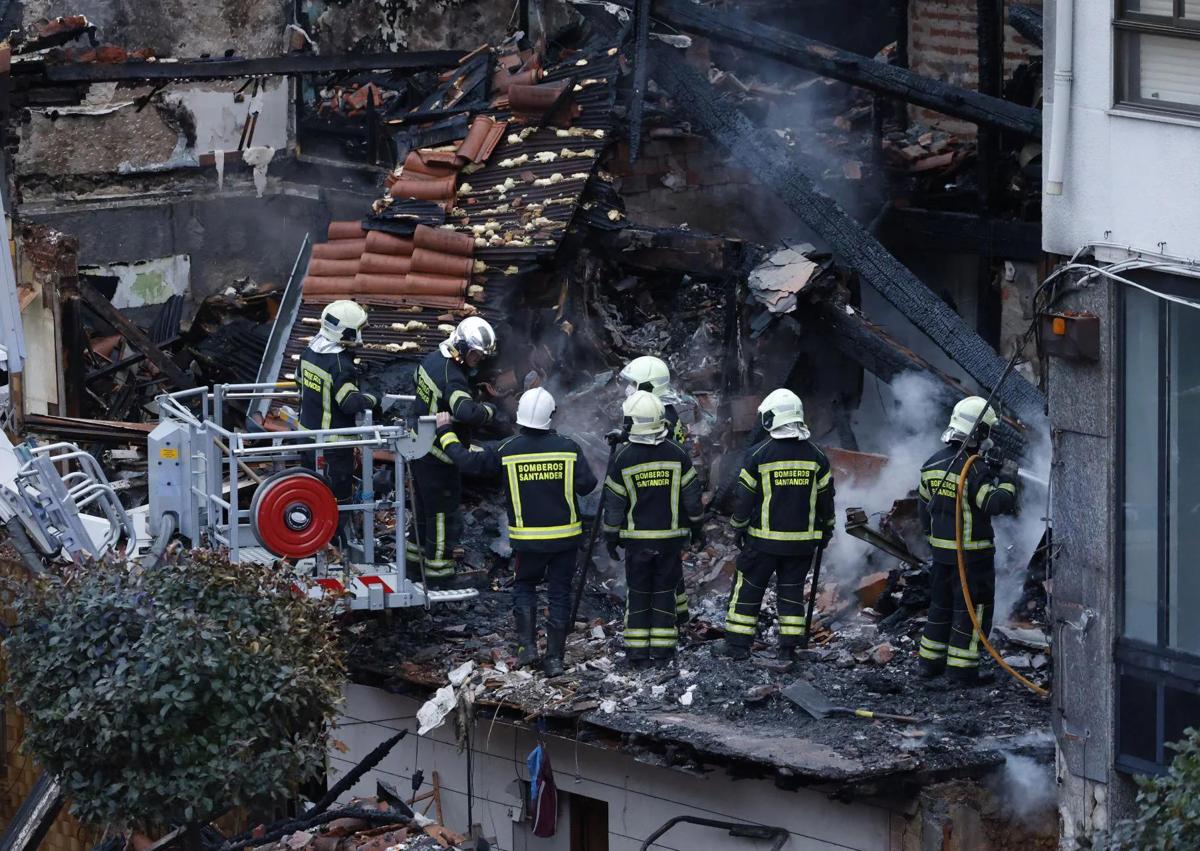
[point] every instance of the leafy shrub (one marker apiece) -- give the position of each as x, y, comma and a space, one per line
167, 694
1168, 806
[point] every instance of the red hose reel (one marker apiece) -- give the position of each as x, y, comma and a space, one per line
294, 514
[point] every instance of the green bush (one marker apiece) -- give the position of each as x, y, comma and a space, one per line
169, 694
1168, 806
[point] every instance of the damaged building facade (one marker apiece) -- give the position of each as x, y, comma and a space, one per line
847, 205
1121, 396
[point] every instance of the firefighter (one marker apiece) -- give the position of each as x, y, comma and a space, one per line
653, 510
949, 643
783, 514
442, 386
652, 375
544, 473
329, 397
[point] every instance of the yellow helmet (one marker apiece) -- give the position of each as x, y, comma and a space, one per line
645, 418
342, 322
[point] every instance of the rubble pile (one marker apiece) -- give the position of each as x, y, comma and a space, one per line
408, 832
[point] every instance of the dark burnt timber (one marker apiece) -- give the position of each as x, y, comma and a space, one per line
761, 154
876, 351
637, 102
222, 69
136, 337
1028, 22
963, 233
829, 61
676, 250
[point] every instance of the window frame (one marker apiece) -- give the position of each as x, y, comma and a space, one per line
1157, 664
1125, 23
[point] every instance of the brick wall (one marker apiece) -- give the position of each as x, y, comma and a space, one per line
942, 43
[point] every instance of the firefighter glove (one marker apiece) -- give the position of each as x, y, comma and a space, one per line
699, 537
614, 549
739, 538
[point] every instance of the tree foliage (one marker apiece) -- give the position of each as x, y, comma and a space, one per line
1168, 806
168, 694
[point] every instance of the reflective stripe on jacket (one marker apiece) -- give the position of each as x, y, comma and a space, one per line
543, 472
985, 495
442, 387
329, 397
654, 496
784, 497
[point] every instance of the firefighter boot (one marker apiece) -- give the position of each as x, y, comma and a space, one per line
556, 643
527, 650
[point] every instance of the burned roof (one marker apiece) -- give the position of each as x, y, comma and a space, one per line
508, 191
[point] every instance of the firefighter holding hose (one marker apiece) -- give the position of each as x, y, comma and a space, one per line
950, 643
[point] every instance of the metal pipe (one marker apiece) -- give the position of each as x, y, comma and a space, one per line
1064, 43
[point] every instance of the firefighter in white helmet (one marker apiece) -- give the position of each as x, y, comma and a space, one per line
783, 512
652, 510
948, 643
652, 375
544, 473
329, 395
443, 386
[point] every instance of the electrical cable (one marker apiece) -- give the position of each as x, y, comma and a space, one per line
962, 578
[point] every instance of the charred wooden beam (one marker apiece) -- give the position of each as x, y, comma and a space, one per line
762, 154
1028, 22
963, 233
862, 71
135, 336
637, 102
224, 69
676, 250
876, 351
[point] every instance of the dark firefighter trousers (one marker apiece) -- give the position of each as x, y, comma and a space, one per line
337, 468
651, 577
754, 571
437, 516
556, 570
949, 639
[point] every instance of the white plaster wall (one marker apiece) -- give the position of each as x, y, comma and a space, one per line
1134, 178
639, 797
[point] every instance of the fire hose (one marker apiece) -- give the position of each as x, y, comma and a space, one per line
962, 579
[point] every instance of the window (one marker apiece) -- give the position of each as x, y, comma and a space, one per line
589, 824
1157, 46
1159, 652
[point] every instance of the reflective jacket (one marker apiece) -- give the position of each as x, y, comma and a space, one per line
442, 386
677, 431
784, 497
654, 497
543, 472
985, 495
329, 398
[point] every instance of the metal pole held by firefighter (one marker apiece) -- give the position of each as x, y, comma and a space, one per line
615, 438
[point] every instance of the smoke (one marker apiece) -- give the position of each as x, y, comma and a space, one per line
907, 434
1026, 787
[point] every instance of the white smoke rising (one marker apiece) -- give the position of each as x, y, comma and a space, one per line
907, 435
1026, 787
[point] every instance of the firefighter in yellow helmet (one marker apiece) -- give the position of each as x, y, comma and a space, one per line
329, 395
783, 513
653, 509
652, 375
948, 643
443, 386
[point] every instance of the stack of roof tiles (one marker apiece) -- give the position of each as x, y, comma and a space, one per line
462, 219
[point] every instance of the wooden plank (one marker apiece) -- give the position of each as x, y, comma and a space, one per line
135, 336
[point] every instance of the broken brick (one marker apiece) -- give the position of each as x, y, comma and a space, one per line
870, 588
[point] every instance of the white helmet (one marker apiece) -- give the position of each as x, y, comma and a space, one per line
342, 322
971, 412
783, 408
645, 418
535, 409
647, 373
473, 334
